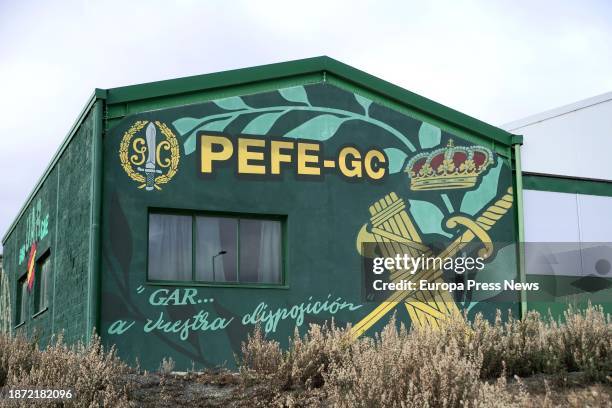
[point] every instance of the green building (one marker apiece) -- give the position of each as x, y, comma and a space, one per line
178, 215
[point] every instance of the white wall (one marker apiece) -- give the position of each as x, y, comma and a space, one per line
574, 140
575, 232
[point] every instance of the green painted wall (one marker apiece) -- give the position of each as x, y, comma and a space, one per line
58, 218
567, 185
323, 218
561, 292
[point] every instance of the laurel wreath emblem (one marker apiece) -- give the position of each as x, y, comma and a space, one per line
127, 165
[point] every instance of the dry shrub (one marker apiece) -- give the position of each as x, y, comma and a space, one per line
585, 341
536, 344
94, 375
302, 365
17, 356
515, 346
311, 355
166, 367
260, 356
403, 368
496, 395
448, 367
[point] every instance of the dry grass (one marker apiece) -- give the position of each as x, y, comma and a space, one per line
93, 374
303, 364
537, 344
463, 364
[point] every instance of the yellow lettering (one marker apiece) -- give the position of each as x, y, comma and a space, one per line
277, 157
140, 149
208, 155
244, 155
375, 174
304, 158
254, 157
350, 154
165, 162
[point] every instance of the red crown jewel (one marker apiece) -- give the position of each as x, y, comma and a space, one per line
449, 167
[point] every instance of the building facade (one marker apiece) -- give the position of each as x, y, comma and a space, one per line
567, 181
179, 215
5, 302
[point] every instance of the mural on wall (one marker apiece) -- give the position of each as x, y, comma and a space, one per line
321, 123
394, 225
5, 302
31, 267
343, 169
262, 314
37, 228
145, 159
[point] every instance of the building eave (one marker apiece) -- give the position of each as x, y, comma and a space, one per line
323, 65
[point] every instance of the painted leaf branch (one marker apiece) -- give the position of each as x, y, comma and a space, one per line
365, 103
321, 127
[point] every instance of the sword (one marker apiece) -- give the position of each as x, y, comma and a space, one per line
444, 304
150, 168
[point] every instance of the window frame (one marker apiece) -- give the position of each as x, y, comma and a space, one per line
283, 284
38, 280
21, 308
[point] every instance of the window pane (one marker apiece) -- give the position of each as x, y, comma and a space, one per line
24, 298
42, 266
260, 251
44, 283
216, 255
169, 247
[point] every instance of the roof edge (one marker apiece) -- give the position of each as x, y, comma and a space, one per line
417, 102
306, 66
233, 77
98, 94
556, 112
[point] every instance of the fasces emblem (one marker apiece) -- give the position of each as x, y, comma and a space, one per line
392, 227
151, 156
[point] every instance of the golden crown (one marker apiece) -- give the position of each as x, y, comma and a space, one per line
449, 167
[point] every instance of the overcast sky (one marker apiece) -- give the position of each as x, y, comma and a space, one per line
495, 60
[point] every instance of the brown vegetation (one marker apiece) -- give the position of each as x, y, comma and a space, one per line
535, 361
463, 364
94, 375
